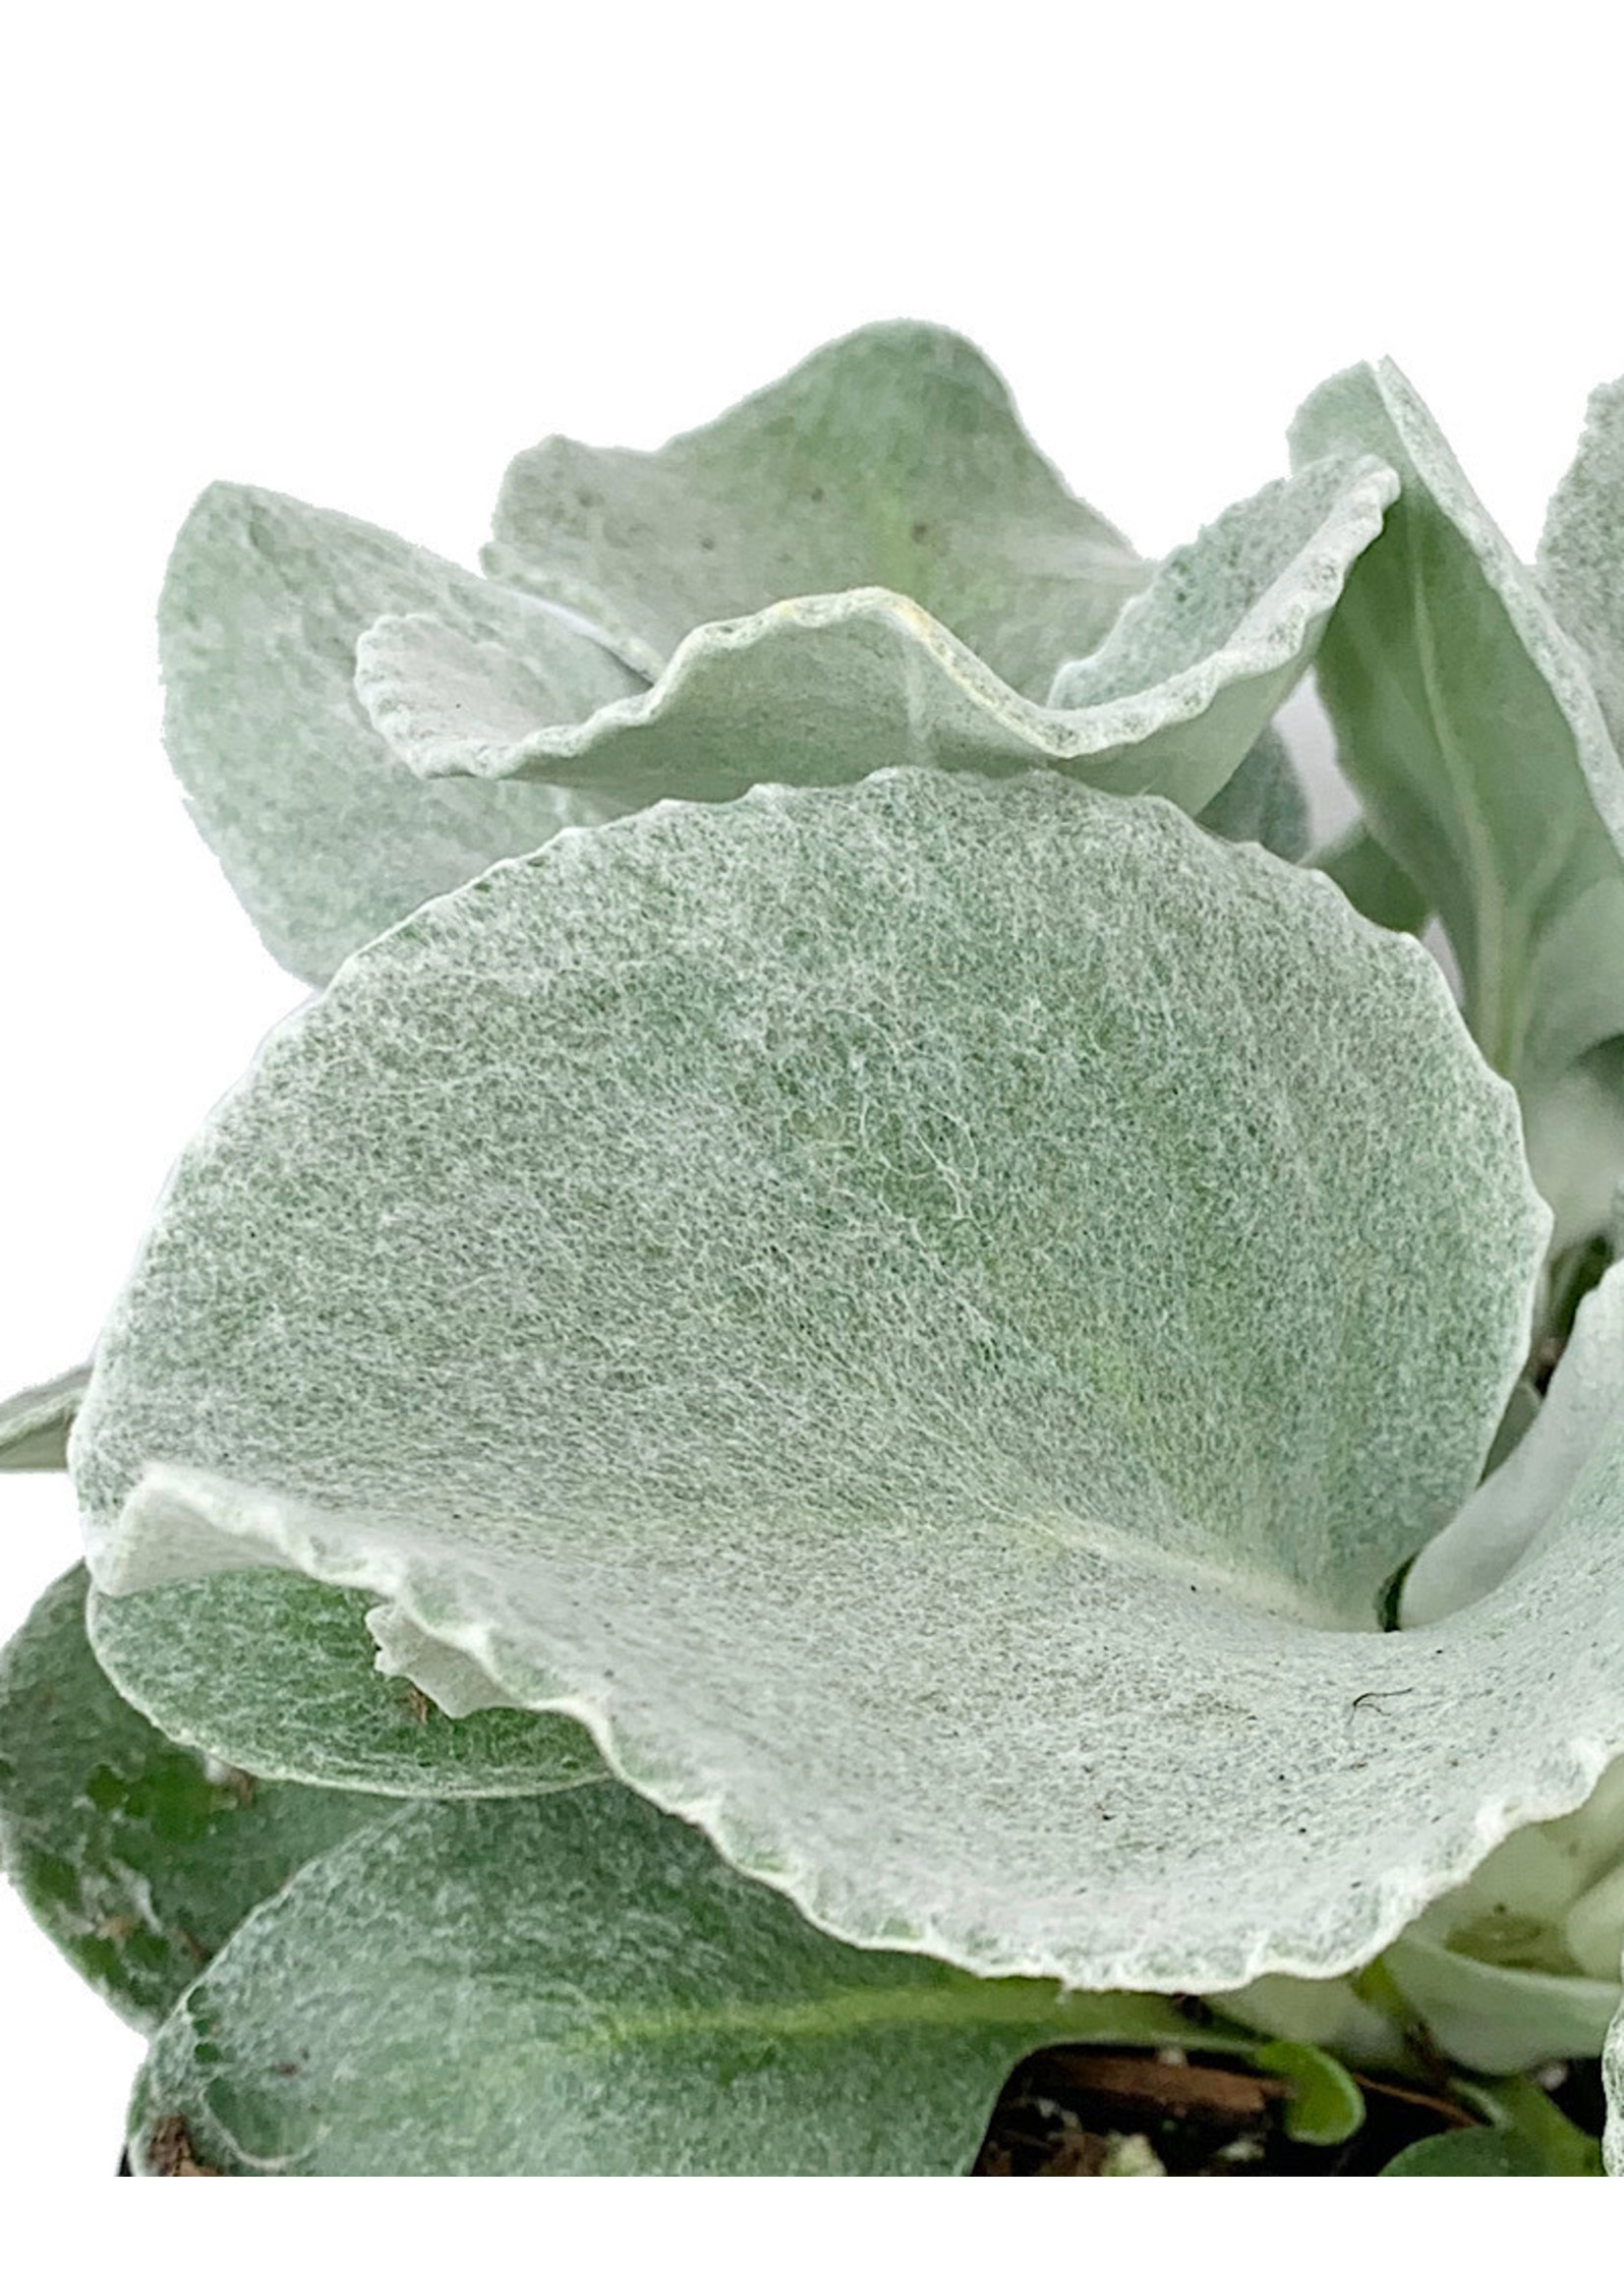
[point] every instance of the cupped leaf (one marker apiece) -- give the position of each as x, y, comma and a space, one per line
1581, 551
277, 1674
833, 686
324, 837
874, 1300
34, 1424
137, 1856
578, 1985
892, 458
1507, 1513
1467, 721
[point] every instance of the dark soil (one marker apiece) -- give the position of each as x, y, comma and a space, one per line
1080, 2111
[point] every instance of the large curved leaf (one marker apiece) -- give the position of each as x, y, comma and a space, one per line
578, 1985
137, 1857
874, 1300
834, 686
278, 1675
325, 838
892, 458
1467, 721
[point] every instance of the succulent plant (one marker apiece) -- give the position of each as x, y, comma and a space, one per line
873, 1385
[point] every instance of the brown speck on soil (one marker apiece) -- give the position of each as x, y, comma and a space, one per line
171, 2155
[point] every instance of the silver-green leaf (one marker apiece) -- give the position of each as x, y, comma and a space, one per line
893, 458
874, 1300
137, 1856
1469, 721
280, 1675
325, 836
831, 687
578, 1985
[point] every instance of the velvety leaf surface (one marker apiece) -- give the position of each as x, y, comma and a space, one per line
1467, 721
579, 1985
873, 1301
137, 1857
1532, 1486
325, 836
1612, 2070
1581, 551
34, 1424
277, 1674
832, 687
892, 458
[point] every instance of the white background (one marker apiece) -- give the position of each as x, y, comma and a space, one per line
364, 255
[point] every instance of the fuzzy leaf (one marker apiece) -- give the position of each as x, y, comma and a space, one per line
34, 1424
892, 458
325, 838
1532, 1485
277, 1674
834, 686
137, 1857
578, 1985
872, 1301
1612, 2072
1466, 719
1581, 551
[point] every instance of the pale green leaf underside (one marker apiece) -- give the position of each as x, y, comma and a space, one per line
324, 835
136, 1858
1503, 1518
831, 687
1581, 551
277, 1674
873, 1301
1373, 880
578, 1985
34, 1424
1467, 721
1263, 802
893, 458
1500, 2020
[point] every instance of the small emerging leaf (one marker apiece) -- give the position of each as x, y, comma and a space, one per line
1326, 2106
